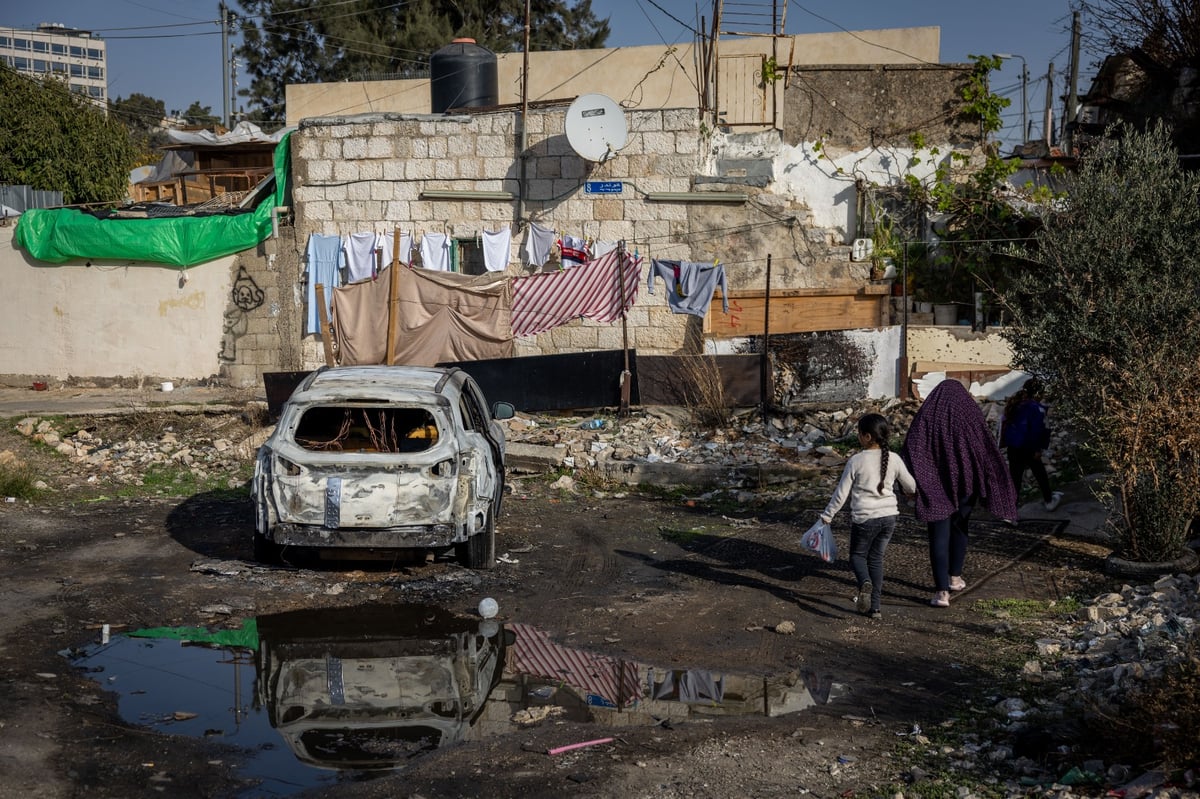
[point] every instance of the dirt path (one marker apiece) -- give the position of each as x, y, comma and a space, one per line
660, 580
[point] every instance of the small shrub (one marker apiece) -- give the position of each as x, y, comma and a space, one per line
704, 391
17, 480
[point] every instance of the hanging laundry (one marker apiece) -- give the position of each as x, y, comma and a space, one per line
366, 254
539, 241
592, 291
599, 679
325, 260
690, 285
600, 248
441, 316
385, 243
406, 248
574, 251
435, 251
497, 248
358, 250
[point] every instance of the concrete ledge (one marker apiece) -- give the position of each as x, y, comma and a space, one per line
532, 458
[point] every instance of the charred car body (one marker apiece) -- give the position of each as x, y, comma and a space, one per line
382, 457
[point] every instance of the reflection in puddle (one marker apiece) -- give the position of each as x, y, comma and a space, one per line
353, 690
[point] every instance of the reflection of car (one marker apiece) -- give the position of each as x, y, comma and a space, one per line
369, 687
383, 457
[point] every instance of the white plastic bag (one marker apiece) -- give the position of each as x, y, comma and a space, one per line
819, 539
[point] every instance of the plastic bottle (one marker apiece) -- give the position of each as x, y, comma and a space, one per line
592, 424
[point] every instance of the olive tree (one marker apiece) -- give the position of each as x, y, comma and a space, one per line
1108, 310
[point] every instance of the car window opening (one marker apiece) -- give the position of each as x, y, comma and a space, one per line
367, 429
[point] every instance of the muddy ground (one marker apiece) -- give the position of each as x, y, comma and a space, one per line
667, 579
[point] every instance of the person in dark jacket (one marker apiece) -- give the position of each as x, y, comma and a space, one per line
954, 458
1024, 434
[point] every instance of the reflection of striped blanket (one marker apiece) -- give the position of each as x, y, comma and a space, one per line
536, 655
593, 291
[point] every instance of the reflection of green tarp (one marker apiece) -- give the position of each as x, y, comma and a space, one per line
63, 234
246, 637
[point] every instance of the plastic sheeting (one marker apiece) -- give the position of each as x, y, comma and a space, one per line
65, 234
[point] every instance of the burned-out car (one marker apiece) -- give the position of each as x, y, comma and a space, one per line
382, 457
371, 687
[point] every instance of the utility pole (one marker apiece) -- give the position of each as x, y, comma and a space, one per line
225, 66
1072, 88
1024, 95
1048, 120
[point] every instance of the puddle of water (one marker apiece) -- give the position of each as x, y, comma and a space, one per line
316, 697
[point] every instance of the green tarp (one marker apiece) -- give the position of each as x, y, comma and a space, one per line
64, 234
246, 637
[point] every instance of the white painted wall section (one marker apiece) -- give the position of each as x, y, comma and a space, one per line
110, 318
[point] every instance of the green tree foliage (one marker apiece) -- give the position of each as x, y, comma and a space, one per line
201, 115
143, 116
965, 195
310, 41
1108, 310
58, 141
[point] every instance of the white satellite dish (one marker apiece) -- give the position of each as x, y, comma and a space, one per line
596, 127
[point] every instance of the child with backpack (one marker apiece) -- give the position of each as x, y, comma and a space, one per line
867, 481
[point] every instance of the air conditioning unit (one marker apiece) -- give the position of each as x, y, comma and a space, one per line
863, 250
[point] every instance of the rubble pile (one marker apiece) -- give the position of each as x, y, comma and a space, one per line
820, 436
1092, 662
126, 461
816, 436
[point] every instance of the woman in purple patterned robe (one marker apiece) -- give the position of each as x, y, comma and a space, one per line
955, 460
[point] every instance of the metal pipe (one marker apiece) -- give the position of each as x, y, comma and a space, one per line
465, 194
764, 363
522, 137
275, 218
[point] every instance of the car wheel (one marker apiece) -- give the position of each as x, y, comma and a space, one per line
479, 551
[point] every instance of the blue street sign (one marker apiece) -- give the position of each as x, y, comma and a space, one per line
604, 187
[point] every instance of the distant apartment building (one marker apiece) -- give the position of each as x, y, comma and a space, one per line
75, 56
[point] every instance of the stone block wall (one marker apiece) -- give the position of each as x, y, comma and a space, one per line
369, 172
263, 316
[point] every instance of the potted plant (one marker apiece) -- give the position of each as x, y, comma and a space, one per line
886, 249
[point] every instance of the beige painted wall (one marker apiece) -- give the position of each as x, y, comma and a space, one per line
958, 345
109, 319
651, 76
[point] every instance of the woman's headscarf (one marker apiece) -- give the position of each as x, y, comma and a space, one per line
952, 455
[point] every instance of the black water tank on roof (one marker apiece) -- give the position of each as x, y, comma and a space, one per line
462, 75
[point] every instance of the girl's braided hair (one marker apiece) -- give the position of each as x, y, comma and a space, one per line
875, 427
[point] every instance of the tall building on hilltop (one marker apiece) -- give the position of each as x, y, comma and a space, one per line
75, 56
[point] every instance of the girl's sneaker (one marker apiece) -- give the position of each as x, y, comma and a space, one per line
941, 599
862, 603
1055, 498
957, 584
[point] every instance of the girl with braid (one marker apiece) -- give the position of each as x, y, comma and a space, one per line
867, 481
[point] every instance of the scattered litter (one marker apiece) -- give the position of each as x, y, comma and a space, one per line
183, 715
506, 559
786, 628
535, 715
559, 750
